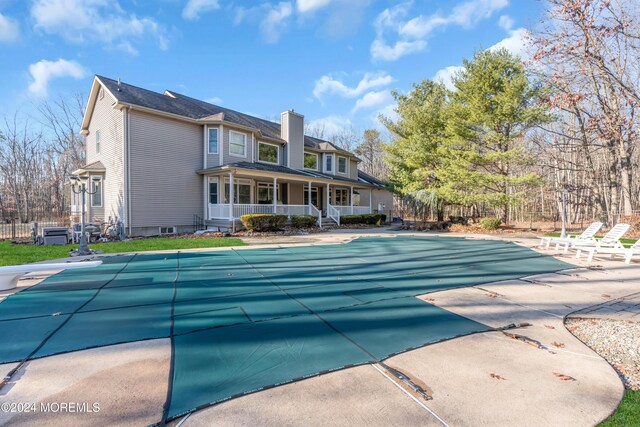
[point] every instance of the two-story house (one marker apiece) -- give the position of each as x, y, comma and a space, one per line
157, 159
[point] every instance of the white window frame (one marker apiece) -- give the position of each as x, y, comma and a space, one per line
244, 136
324, 163
91, 180
346, 165
218, 193
98, 141
277, 162
209, 140
236, 182
317, 160
167, 232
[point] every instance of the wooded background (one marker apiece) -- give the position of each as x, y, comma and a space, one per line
577, 133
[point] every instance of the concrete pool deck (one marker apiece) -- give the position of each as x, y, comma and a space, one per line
543, 376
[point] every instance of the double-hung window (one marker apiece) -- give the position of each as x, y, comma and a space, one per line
328, 163
96, 189
213, 191
342, 165
98, 141
237, 144
213, 140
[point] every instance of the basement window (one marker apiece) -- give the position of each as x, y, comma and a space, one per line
167, 230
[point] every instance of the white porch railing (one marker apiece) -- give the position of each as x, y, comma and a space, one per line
291, 210
221, 211
333, 213
353, 210
246, 209
315, 211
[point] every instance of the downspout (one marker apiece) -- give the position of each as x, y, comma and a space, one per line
128, 168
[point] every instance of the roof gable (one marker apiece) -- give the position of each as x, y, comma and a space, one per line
181, 105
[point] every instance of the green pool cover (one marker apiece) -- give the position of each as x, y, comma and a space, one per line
242, 321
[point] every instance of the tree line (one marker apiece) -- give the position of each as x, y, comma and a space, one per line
513, 134
37, 155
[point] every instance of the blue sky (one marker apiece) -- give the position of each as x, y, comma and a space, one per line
335, 61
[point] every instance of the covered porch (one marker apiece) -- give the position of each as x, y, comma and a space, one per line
235, 192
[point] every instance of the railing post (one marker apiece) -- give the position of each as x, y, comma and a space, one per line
231, 195
370, 201
309, 197
351, 199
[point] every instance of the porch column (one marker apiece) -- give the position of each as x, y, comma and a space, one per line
309, 197
351, 199
327, 199
370, 201
275, 195
231, 194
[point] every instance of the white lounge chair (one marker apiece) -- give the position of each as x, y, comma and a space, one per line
10, 275
587, 235
627, 253
610, 242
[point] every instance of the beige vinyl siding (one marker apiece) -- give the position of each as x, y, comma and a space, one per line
165, 155
109, 121
382, 196
293, 132
212, 159
296, 193
353, 171
227, 157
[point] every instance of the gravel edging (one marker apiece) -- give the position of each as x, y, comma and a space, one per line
617, 341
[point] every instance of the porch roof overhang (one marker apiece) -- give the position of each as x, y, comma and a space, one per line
95, 167
282, 172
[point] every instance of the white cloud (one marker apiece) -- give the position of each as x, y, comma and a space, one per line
412, 33
382, 51
329, 85
9, 29
305, 6
100, 21
272, 25
445, 75
372, 99
215, 100
516, 43
194, 8
42, 72
330, 125
505, 22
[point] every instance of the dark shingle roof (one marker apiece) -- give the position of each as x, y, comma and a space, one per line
281, 169
192, 108
368, 179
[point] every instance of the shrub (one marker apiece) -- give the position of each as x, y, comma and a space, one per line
490, 223
459, 220
371, 219
303, 221
263, 222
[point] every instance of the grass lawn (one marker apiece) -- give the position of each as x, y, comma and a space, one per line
628, 413
624, 241
26, 253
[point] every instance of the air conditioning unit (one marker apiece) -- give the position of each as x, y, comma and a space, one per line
55, 235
